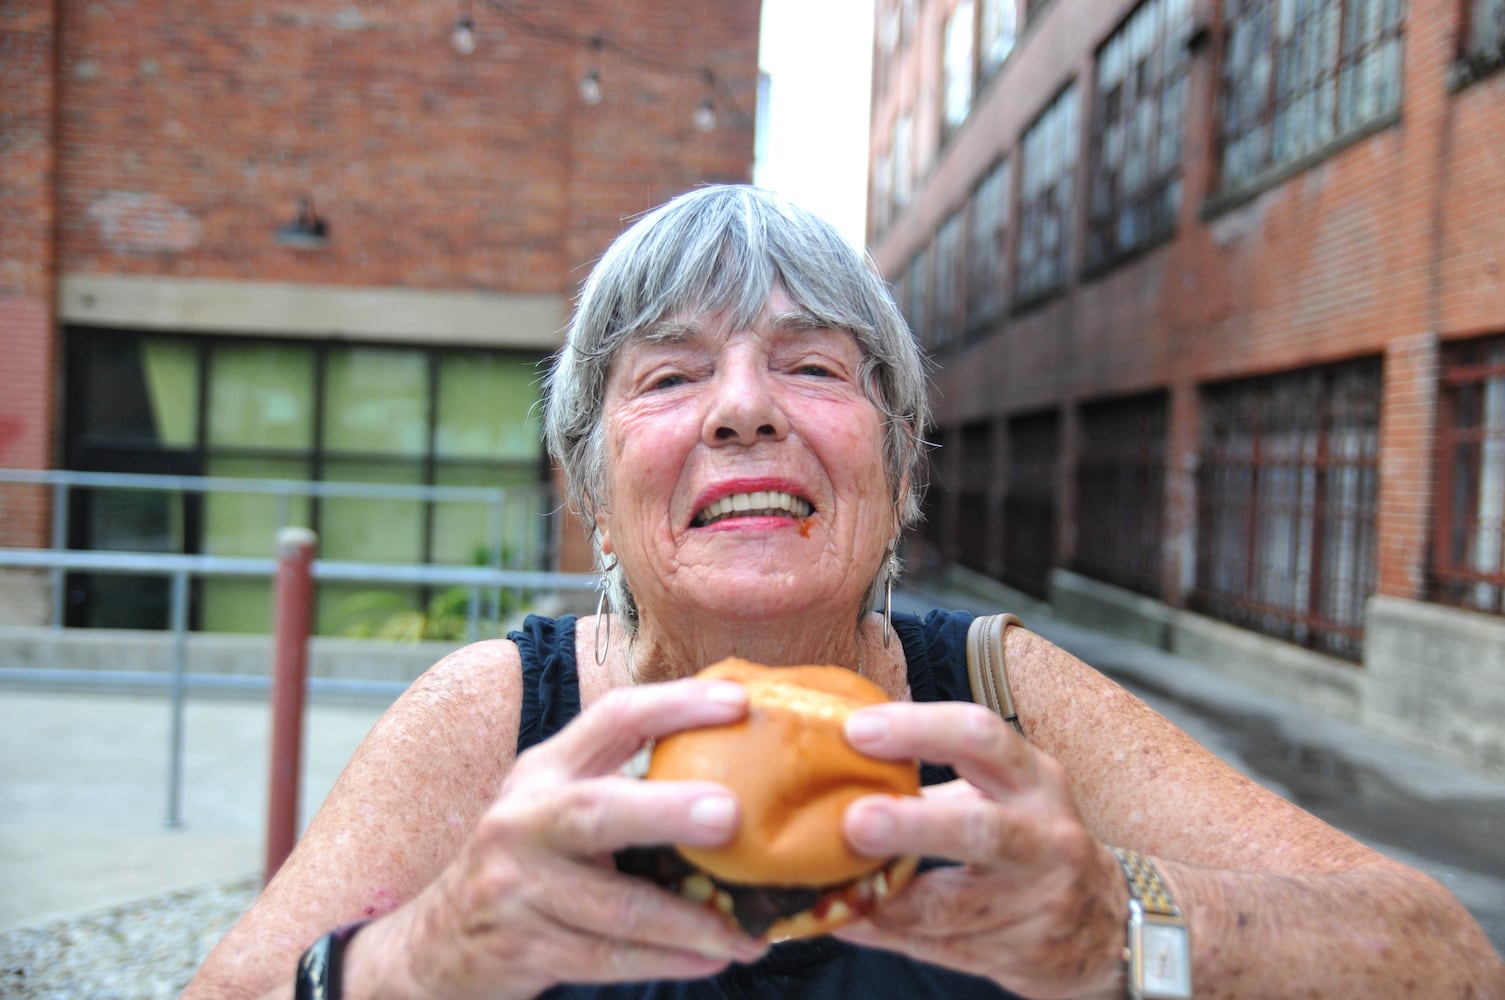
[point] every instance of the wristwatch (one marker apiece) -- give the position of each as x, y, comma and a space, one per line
1157, 955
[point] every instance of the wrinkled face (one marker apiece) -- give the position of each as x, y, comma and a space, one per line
746, 472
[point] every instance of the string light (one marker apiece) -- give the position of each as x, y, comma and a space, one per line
463, 37
705, 116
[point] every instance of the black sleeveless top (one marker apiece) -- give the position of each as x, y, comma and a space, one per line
822, 968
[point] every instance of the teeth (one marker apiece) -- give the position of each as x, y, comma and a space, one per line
698, 887
773, 503
880, 883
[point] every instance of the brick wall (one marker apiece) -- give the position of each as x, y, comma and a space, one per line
174, 137
1380, 249
27, 380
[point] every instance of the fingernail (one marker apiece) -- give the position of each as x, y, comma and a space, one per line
866, 727
727, 693
714, 812
875, 824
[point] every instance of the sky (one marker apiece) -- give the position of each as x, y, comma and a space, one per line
818, 56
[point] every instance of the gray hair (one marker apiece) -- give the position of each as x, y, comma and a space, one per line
718, 249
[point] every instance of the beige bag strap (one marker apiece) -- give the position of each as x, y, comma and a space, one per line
986, 670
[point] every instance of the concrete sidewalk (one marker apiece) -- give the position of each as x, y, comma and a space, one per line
84, 795
84, 779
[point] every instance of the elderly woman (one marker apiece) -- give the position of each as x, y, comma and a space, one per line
740, 410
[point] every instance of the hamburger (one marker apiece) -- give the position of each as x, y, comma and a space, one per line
788, 872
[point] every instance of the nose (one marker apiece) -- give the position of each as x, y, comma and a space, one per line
745, 407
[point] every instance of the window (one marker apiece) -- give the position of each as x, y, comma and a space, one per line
293, 410
946, 313
956, 85
1300, 74
1029, 504
903, 163
1286, 491
1139, 114
917, 283
1120, 484
1049, 165
1469, 548
1033, 7
1485, 40
987, 245
883, 170
999, 29
973, 480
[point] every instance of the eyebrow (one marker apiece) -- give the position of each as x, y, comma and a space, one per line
677, 331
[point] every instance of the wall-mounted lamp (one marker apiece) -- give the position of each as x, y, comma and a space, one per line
463, 37
308, 230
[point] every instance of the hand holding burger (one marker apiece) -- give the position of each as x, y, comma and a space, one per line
788, 872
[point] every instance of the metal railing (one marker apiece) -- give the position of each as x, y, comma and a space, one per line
63, 483
180, 569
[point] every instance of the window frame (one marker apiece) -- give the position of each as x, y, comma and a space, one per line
1268, 139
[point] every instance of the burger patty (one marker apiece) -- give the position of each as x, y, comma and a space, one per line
755, 908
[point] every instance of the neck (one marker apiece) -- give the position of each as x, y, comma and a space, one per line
661, 653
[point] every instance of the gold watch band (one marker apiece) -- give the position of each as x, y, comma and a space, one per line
1145, 883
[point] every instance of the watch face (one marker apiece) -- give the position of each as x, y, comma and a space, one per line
1164, 961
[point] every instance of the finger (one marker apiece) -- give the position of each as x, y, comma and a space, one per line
622, 910
967, 828
605, 736
977, 744
593, 816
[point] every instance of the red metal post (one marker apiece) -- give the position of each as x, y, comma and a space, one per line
294, 613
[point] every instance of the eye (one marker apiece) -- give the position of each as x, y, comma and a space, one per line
668, 381
815, 370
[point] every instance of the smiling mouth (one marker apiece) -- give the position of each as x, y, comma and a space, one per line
763, 503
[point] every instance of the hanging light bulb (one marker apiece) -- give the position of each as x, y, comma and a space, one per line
463, 37
590, 87
705, 116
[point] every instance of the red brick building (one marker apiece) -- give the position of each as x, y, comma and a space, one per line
321, 241
1215, 292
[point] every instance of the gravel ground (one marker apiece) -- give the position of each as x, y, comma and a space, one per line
146, 949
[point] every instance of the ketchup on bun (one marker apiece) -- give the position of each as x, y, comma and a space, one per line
788, 872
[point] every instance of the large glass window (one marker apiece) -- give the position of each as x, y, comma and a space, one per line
1137, 129
987, 247
998, 30
1300, 74
957, 64
1045, 199
1485, 40
946, 312
1286, 491
903, 164
268, 410
1120, 484
917, 287
1029, 503
1469, 560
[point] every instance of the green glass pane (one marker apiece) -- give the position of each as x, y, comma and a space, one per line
235, 605
359, 529
170, 368
488, 408
467, 533
261, 396
376, 401
246, 524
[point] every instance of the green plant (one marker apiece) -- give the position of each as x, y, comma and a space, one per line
384, 614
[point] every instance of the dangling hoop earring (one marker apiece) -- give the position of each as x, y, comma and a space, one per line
888, 609
603, 643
